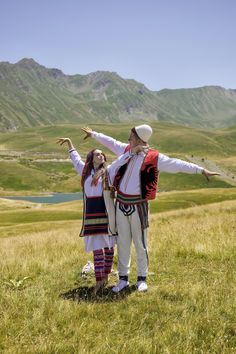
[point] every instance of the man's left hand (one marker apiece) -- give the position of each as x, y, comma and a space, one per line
208, 173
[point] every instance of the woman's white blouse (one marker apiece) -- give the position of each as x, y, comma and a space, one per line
92, 190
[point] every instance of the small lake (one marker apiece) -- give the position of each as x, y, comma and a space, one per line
53, 198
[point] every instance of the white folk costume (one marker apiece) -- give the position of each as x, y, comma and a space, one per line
136, 183
95, 220
95, 228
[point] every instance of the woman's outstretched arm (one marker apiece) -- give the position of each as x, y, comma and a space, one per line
74, 155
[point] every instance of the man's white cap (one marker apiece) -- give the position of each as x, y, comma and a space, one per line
144, 132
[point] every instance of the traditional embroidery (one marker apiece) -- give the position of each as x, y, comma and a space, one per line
127, 210
95, 217
128, 203
128, 199
148, 174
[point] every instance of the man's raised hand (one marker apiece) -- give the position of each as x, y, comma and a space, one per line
88, 131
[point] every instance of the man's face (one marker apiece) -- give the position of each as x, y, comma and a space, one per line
98, 157
134, 140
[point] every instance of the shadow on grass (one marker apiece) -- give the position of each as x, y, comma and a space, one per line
85, 293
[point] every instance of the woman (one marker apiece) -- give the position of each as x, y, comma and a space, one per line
95, 175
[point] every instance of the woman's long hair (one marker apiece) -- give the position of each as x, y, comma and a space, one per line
88, 167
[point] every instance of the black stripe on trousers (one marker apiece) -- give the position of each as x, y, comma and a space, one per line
143, 241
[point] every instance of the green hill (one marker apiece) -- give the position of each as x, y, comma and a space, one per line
168, 138
32, 95
30, 159
209, 106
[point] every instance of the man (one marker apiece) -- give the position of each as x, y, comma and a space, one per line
136, 183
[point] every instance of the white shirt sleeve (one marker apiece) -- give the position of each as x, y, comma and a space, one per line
116, 164
77, 162
172, 165
115, 146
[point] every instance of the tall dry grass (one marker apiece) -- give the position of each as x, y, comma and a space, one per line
189, 307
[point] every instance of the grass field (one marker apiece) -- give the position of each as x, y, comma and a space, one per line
189, 308
167, 137
47, 307
18, 217
61, 177
30, 160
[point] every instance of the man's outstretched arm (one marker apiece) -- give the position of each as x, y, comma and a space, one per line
114, 145
172, 165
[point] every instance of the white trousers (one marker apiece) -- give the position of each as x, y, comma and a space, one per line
129, 228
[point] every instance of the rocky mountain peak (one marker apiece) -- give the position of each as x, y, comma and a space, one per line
28, 63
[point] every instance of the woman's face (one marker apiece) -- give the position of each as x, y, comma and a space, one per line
98, 157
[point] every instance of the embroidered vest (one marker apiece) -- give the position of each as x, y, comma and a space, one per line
148, 174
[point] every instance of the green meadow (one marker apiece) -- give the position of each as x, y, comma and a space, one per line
48, 307
167, 137
18, 217
30, 160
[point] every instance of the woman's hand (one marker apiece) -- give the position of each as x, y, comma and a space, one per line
67, 141
140, 148
88, 131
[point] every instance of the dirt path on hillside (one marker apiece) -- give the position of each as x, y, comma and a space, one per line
225, 174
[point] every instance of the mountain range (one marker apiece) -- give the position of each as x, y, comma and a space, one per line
32, 95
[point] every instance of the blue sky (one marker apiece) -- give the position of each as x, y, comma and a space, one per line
163, 44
